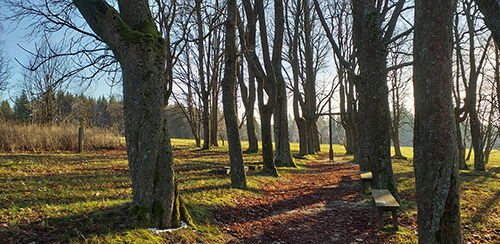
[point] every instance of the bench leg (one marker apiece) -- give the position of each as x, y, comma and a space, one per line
380, 219
395, 219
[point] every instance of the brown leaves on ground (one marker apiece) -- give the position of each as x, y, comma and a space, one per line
320, 205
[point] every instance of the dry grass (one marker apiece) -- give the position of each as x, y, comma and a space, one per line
36, 138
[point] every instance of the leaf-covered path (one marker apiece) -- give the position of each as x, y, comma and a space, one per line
320, 205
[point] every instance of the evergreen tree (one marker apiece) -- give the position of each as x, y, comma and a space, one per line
6, 112
22, 108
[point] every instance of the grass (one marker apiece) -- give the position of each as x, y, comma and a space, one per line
480, 201
83, 198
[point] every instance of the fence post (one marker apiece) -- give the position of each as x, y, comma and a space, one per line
80, 139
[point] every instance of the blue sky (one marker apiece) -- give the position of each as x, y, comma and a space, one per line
13, 38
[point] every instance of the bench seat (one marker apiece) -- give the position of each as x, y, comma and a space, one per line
385, 202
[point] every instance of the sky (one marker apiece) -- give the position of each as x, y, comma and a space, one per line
13, 41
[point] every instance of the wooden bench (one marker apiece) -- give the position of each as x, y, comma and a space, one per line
226, 170
385, 202
366, 176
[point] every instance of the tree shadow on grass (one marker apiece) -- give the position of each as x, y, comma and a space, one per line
77, 227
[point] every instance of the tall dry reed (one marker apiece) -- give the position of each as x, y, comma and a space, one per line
37, 138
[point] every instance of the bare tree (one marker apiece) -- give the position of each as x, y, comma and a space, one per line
398, 90
307, 52
5, 73
44, 77
266, 79
238, 177
470, 72
248, 97
189, 103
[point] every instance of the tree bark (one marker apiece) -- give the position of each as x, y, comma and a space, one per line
140, 49
201, 75
297, 98
253, 144
462, 165
309, 112
435, 149
238, 177
281, 133
373, 115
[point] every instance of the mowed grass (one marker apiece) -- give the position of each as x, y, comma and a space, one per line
83, 198
480, 201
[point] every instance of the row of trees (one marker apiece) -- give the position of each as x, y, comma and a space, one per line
64, 108
179, 47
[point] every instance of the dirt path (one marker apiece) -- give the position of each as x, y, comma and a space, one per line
321, 205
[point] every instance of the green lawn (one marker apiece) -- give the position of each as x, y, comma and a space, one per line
82, 198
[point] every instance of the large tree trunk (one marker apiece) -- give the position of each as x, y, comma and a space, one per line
491, 11
373, 115
238, 177
435, 150
310, 84
281, 133
497, 75
297, 103
140, 49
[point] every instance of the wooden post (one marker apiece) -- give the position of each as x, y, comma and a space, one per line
330, 128
80, 139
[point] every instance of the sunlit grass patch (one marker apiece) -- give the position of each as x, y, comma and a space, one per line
66, 197
480, 201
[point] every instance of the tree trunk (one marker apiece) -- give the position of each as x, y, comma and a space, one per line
435, 149
281, 133
348, 116
497, 75
140, 49
248, 97
214, 121
475, 131
266, 79
201, 74
301, 126
299, 120
462, 165
373, 115
310, 84
253, 144
397, 146
267, 142
238, 177
315, 135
